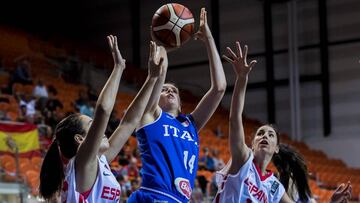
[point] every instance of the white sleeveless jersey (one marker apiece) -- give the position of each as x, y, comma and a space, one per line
248, 186
106, 189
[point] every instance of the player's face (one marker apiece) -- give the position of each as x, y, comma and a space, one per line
265, 140
86, 121
169, 98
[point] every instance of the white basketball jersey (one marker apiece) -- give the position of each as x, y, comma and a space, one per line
106, 189
248, 186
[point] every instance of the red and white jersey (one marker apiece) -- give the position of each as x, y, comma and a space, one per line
248, 185
106, 189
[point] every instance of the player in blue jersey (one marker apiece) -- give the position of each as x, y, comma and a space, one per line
168, 140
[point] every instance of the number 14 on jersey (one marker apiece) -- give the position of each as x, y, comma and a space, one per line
189, 165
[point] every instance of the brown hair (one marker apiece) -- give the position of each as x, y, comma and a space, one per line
52, 170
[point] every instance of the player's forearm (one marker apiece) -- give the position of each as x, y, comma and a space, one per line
108, 94
89, 148
217, 75
238, 100
155, 94
238, 148
131, 119
137, 107
212, 98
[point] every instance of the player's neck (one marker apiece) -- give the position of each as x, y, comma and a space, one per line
263, 161
174, 113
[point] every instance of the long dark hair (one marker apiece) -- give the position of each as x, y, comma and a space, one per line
52, 170
290, 164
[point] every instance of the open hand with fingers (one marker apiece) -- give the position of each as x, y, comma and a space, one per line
239, 61
342, 194
204, 32
119, 61
157, 60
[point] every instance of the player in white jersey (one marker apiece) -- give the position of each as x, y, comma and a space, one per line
245, 179
105, 188
81, 140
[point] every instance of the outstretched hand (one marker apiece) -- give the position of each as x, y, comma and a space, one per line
239, 61
157, 60
204, 32
119, 61
342, 194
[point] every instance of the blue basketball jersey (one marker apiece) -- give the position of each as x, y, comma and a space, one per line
169, 152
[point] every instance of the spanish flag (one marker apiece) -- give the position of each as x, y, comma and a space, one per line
26, 137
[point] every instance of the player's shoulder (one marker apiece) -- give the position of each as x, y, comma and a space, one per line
150, 119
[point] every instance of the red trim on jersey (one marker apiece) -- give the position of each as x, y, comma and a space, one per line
262, 177
81, 199
217, 197
86, 193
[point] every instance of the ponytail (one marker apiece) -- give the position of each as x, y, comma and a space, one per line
291, 164
52, 172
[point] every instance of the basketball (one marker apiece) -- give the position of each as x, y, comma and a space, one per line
172, 25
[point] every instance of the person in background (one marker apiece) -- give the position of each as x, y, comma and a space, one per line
218, 162
41, 93
40, 90
22, 73
207, 160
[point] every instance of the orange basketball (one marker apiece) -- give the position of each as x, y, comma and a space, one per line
172, 25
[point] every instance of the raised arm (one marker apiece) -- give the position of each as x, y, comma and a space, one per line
152, 110
86, 158
212, 98
238, 149
136, 109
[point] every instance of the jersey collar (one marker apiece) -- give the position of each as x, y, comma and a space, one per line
262, 177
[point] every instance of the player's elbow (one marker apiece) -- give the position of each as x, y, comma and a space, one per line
103, 109
220, 88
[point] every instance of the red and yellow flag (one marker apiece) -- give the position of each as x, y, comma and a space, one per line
26, 137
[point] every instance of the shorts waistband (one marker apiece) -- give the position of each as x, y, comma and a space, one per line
162, 193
